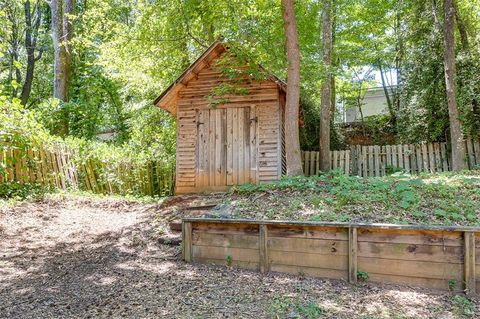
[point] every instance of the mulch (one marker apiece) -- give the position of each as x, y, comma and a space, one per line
102, 258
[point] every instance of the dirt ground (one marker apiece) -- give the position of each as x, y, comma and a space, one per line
80, 257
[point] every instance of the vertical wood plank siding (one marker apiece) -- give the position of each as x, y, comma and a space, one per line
227, 140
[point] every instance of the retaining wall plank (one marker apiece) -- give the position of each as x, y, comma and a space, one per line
309, 245
226, 228
404, 251
430, 283
310, 271
411, 237
223, 262
308, 260
335, 233
225, 240
410, 268
223, 253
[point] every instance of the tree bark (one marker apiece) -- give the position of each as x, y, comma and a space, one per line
292, 141
14, 48
456, 133
390, 103
31, 37
61, 33
461, 29
326, 95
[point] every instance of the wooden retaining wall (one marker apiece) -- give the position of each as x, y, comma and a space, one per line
445, 258
376, 160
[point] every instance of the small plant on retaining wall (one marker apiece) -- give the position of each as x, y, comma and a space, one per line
362, 275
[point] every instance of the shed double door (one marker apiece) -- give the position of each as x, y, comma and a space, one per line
227, 147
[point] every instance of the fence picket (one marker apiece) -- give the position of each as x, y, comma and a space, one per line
470, 153
376, 150
438, 160
406, 158
2, 172
476, 146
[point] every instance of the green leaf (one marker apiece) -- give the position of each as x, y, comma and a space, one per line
17, 64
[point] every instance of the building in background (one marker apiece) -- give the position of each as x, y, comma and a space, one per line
374, 103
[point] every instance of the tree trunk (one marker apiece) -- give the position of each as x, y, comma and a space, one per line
61, 34
326, 95
461, 29
399, 48
390, 104
31, 36
14, 48
456, 133
292, 141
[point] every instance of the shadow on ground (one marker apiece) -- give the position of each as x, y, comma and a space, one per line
124, 272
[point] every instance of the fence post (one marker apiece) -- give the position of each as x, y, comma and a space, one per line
187, 241
352, 254
469, 262
263, 248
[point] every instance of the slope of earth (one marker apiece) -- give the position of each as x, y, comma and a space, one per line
440, 199
83, 257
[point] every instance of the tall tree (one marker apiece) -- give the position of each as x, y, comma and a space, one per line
292, 141
456, 133
326, 95
32, 22
62, 29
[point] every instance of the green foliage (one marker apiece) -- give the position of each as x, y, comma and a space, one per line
124, 53
446, 198
362, 275
217, 96
229, 260
463, 306
283, 307
19, 129
18, 191
452, 283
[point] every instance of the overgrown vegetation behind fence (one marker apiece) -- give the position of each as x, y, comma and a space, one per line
376, 160
60, 167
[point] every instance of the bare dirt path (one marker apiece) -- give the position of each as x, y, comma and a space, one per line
100, 258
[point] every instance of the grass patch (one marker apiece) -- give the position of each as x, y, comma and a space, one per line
284, 307
440, 199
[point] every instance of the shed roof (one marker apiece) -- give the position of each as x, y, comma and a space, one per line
168, 99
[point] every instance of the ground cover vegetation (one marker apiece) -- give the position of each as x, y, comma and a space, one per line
429, 199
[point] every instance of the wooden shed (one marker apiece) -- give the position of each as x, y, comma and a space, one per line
237, 141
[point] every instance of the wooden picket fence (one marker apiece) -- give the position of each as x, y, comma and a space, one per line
339, 160
376, 160
55, 167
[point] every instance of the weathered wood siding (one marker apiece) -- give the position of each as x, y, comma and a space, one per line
238, 141
445, 258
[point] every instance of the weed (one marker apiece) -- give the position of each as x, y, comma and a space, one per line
317, 201
463, 306
452, 283
362, 275
229, 260
311, 310
284, 307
